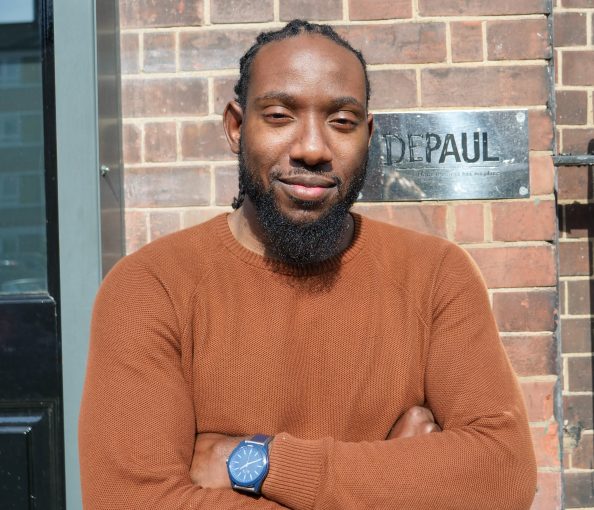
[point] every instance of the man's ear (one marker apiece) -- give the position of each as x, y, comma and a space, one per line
369, 127
232, 120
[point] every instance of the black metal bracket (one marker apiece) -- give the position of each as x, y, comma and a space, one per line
574, 160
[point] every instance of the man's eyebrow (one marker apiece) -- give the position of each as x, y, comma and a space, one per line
339, 102
280, 96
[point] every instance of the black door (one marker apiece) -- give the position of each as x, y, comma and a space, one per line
31, 430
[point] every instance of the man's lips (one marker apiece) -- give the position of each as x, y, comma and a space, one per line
307, 187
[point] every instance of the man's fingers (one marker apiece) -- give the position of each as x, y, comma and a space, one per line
416, 421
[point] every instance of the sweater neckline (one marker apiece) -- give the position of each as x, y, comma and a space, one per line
269, 264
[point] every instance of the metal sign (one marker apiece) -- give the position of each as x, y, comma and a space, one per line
449, 155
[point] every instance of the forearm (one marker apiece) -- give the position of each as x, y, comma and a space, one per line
478, 466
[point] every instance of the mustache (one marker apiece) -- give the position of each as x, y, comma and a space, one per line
277, 173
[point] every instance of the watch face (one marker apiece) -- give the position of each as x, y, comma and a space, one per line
247, 464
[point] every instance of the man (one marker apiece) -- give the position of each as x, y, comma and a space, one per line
294, 337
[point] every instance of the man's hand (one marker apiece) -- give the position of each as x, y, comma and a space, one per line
209, 469
414, 422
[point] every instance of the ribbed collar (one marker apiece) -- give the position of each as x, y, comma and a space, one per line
332, 264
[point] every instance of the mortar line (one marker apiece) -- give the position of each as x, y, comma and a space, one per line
212, 186
276, 11
207, 13
345, 10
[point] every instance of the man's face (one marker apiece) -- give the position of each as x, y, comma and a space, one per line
304, 139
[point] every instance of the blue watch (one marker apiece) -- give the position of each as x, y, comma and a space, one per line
248, 464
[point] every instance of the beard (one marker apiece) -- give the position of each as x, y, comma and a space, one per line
300, 243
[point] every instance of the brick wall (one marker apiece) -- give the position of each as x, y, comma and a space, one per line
179, 63
574, 43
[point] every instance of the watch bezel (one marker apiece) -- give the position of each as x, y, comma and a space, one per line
255, 484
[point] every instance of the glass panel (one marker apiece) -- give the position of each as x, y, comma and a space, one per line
23, 264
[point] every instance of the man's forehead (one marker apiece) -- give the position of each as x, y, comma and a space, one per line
306, 59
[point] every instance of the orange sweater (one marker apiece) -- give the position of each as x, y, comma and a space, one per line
194, 333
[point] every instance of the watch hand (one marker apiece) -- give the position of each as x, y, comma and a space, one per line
248, 463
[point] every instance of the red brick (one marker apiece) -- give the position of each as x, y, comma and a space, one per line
379, 9
213, 49
580, 295
164, 97
579, 489
518, 39
136, 230
430, 219
467, 41
129, 54
131, 143
223, 92
160, 141
163, 222
539, 398
578, 141
484, 86
540, 130
578, 67
548, 492
470, 223
577, 335
310, 9
580, 373
570, 28
577, 410
167, 186
204, 141
160, 13
534, 220
532, 355
575, 183
241, 11
572, 106
546, 445
577, 220
410, 43
575, 258
393, 89
577, 4
542, 174
517, 266
525, 311
159, 52
481, 7
197, 215
226, 184
583, 455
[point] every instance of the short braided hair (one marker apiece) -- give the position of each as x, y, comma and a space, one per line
293, 28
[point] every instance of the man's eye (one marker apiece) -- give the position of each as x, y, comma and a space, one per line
276, 116
344, 123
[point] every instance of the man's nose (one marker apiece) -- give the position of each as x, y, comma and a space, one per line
310, 146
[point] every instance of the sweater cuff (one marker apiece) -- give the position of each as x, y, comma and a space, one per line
295, 471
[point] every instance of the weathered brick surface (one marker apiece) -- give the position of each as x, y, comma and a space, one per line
160, 13
546, 441
540, 130
204, 141
467, 41
393, 89
226, 186
539, 398
518, 39
570, 28
532, 355
167, 186
542, 174
575, 183
484, 86
241, 11
431, 220
129, 53
415, 43
580, 297
223, 92
583, 457
162, 223
310, 9
580, 373
159, 52
577, 409
164, 97
578, 140
136, 230
518, 266
572, 106
574, 258
470, 223
525, 310
380, 9
480, 7
131, 143
578, 67
524, 221
548, 492
577, 335
578, 4
160, 142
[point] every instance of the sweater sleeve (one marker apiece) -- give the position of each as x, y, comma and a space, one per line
483, 458
137, 423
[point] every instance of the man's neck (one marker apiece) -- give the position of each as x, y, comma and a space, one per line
246, 229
